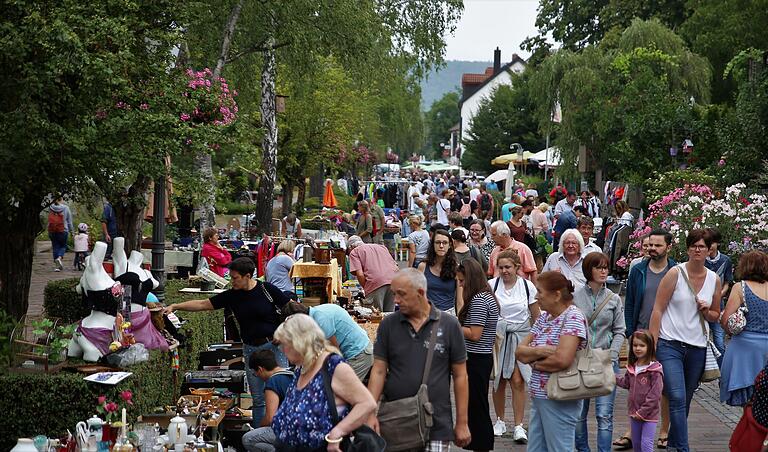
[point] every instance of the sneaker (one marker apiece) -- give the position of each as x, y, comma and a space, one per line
519, 435
56, 268
499, 428
59, 264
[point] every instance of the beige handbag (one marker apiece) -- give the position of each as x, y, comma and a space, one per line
589, 375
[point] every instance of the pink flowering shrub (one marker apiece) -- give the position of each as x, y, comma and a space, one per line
209, 101
741, 218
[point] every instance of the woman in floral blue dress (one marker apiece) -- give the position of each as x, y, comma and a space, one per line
304, 421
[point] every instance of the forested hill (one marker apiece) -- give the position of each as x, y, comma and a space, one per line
448, 78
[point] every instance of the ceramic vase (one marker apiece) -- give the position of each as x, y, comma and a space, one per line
24, 445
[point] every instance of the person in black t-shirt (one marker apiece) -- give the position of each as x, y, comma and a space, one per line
255, 305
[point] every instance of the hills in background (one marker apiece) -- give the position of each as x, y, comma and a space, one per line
446, 79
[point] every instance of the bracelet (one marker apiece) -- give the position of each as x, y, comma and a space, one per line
333, 441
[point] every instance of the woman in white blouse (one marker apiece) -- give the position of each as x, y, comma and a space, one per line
518, 311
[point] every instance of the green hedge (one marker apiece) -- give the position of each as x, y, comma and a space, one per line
36, 404
62, 301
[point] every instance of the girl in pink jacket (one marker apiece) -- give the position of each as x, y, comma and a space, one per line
644, 380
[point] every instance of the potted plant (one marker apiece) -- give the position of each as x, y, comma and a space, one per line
52, 339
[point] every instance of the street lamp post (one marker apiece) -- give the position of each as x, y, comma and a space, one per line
158, 237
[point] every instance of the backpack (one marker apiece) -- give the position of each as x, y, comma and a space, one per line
485, 202
466, 209
55, 221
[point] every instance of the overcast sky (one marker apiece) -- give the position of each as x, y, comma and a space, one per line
486, 24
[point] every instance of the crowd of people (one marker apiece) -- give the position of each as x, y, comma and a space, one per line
479, 301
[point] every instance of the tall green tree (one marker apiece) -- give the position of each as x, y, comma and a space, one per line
577, 24
359, 34
442, 115
719, 30
64, 116
506, 117
627, 100
328, 112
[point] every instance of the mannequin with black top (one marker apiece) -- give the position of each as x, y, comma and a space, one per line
94, 333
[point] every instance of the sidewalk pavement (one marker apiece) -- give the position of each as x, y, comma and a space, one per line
709, 425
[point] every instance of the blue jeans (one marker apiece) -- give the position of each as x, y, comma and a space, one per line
604, 417
256, 384
552, 425
58, 243
683, 365
718, 338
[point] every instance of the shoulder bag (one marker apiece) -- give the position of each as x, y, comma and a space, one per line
278, 311
589, 375
738, 320
711, 368
405, 423
363, 438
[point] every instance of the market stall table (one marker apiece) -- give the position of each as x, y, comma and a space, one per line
173, 258
313, 270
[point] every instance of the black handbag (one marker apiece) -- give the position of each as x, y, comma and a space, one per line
364, 438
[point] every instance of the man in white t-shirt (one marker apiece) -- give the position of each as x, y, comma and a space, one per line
443, 207
413, 192
474, 193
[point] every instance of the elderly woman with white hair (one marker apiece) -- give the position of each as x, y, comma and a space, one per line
304, 420
569, 259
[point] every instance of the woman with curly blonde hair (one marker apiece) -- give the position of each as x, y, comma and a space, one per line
304, 418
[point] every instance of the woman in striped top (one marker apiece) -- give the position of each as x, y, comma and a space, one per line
478, 316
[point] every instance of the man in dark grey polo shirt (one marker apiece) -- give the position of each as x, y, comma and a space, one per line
400, 352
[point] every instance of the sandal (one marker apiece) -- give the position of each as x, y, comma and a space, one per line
661, 443
623, 443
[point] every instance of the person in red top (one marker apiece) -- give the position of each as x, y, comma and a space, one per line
217, 257
559, 192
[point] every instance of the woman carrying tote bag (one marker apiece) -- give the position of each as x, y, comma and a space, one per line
676, 325
551, 346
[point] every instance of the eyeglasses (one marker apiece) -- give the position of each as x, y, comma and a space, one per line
699, 247
441, 243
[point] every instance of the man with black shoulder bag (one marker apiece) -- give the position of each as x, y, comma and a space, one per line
417, 352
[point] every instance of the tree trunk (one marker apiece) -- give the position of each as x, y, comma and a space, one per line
208, 186
269, 142
203, 159
317, 182
129, 213
302, 185
287, 196
17, 249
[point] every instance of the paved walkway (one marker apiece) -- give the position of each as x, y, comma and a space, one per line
710, 423
42, 273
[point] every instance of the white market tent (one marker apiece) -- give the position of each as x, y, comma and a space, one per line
551, 160
499, 175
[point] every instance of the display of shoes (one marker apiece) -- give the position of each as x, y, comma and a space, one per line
499, 428
519, 435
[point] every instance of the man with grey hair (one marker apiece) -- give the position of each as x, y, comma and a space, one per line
400, 354
374, 268
500, 235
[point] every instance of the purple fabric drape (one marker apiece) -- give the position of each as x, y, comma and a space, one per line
145, 332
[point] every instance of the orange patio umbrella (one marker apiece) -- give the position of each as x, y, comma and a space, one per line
329, 199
